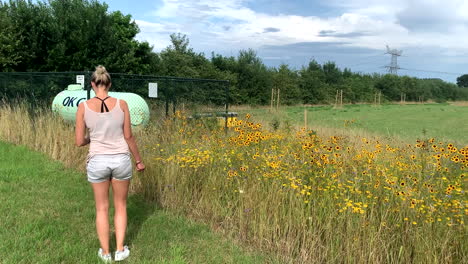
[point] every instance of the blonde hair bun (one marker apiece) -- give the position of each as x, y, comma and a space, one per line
101, 77
101, 69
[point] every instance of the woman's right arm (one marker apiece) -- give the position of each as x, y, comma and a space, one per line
80, 128
127, 129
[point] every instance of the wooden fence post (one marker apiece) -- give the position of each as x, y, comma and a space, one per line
278, 101
305, 118
341, 98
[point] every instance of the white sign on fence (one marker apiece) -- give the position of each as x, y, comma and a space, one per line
153, 90
80, 80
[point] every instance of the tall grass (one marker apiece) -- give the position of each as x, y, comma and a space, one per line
306, 197
41, 130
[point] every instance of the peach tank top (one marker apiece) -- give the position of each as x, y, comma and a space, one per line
106, 131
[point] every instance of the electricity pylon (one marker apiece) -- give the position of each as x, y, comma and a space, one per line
393, 67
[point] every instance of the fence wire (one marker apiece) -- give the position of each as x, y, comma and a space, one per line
195, 97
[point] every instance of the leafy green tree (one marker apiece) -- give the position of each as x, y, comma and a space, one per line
288, 82
10, 41
32, 23
71, 35
254, 81
462, 81
390, 87
228, 67
409, 88
178, 59
333, 74
347, 73
357, 88
312, 84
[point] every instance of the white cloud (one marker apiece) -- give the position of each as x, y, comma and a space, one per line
230, 24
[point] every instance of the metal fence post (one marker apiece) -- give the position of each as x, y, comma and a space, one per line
167, 99
88, 84
174, 102
226, 92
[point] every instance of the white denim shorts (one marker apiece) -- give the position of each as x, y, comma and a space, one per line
103, 167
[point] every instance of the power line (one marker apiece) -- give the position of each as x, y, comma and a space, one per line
372, 70
366, 62
372, 56
451, 73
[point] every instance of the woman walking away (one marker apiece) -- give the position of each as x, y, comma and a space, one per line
109, 164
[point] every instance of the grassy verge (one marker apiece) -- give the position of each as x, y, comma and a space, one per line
48, 217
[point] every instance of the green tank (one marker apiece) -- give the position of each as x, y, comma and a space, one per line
66, 104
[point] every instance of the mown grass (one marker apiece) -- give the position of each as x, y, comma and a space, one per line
47, 216
407, 122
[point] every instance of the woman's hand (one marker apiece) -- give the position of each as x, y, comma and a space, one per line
140, 166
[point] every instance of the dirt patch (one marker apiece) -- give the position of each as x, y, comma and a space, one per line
459, 103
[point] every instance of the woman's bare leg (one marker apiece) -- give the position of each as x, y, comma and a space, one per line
120, 191
101, 197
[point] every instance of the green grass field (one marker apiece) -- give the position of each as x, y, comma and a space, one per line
47, 216
407, 122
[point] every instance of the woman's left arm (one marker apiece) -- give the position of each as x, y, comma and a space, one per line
80, 128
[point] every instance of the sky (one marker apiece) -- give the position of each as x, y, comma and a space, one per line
432, 35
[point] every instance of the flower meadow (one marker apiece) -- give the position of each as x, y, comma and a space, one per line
314, 197
304, 196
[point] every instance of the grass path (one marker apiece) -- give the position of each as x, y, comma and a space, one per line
47, 216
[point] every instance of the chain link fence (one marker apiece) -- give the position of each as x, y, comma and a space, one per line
196, 98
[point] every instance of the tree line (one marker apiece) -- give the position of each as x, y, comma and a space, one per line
77, 35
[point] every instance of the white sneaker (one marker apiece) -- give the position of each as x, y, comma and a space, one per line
106, 258
121, 255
